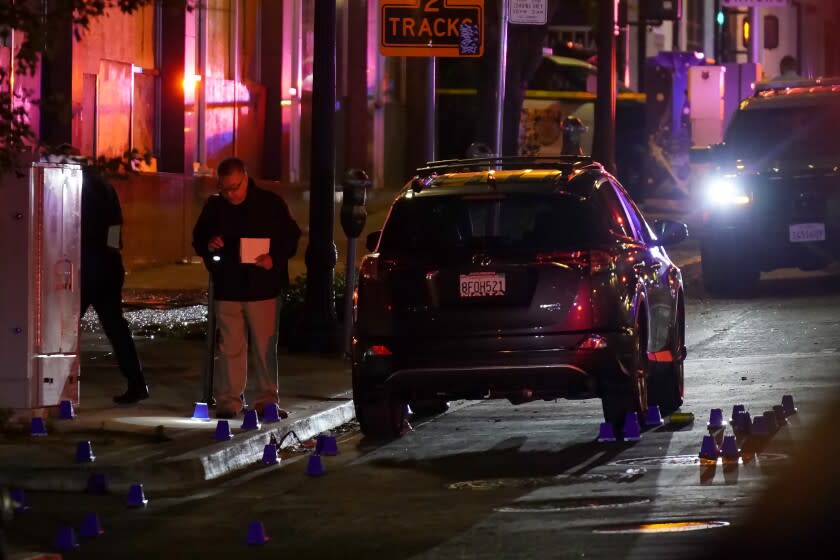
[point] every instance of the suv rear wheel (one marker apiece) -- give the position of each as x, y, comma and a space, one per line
379, 413
667, 383
632, 395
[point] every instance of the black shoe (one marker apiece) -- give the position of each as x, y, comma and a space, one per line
225, 414
133, 395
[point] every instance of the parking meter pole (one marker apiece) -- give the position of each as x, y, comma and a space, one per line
353, 218
211, 345
349, 288
431, 109
502, 75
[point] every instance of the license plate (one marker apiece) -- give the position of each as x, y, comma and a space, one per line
482, 284
807, 232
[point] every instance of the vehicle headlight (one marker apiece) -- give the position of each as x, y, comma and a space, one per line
726, 191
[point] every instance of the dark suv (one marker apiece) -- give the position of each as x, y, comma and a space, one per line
517, 278
773, 199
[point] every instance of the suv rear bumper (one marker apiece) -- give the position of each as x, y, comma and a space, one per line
524, 374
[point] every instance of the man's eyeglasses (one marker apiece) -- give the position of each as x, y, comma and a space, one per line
229, 189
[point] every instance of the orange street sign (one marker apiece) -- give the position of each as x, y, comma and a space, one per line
450, 28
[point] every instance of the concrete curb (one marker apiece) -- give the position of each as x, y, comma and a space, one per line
185, 470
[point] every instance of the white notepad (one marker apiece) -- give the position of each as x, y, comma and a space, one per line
252, 247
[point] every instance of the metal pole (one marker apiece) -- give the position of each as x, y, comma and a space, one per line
500, 85
755, 31
321, 331
210, 366
349, 288
431, 109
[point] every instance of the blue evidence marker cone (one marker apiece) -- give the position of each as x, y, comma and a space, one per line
84, 452
606, 433
251, 421
91, 527
737, 409
729, 450
709, 450
97, 484
326, 445
772, 425
781, 417
223, 431
271, 413
653, 417
256, 533
315, 467
741, 422
715, 418
632, 429
270, 454
760, 427
787, 403
65, 410
136, 497
38, 428
18, 497
200, 412
66, 539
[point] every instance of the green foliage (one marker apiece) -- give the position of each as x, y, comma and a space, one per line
294, 300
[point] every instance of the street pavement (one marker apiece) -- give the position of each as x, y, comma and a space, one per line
158, 443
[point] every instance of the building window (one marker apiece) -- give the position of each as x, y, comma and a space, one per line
219, 39
694, 25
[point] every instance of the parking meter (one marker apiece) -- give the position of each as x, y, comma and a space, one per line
353, 218
353, 211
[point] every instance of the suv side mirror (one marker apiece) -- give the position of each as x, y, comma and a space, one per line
372, 239
669, 232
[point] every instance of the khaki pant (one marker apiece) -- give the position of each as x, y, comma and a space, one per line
244, 326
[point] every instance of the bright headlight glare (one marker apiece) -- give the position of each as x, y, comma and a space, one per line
725, 191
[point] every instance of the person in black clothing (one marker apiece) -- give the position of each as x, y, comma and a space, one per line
102, 277
246, 236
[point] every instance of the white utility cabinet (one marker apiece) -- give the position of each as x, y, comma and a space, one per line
40, 252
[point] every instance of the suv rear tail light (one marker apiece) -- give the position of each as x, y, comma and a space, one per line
594, 260
593, 342
372, 268
378, 350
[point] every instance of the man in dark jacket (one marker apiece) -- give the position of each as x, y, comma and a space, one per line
246, 236
102, 277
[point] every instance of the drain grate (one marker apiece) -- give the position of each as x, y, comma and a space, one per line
570, 504
525, 482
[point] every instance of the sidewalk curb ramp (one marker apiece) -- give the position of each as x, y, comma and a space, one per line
191, 468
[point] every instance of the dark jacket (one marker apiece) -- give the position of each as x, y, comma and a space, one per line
100, 210
262, 214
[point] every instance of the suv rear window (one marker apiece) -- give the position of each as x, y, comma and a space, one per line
493, 221
786, 131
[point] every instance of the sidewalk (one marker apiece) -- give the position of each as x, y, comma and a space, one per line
156, 443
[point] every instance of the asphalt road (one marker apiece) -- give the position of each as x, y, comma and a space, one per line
490, 480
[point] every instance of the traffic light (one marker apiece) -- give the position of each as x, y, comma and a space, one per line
720, 18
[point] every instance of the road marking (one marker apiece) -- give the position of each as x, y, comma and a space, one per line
785, 356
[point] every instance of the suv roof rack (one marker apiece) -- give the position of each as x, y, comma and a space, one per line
768, 87
560, 163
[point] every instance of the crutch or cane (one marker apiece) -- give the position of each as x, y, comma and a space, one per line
211, 345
